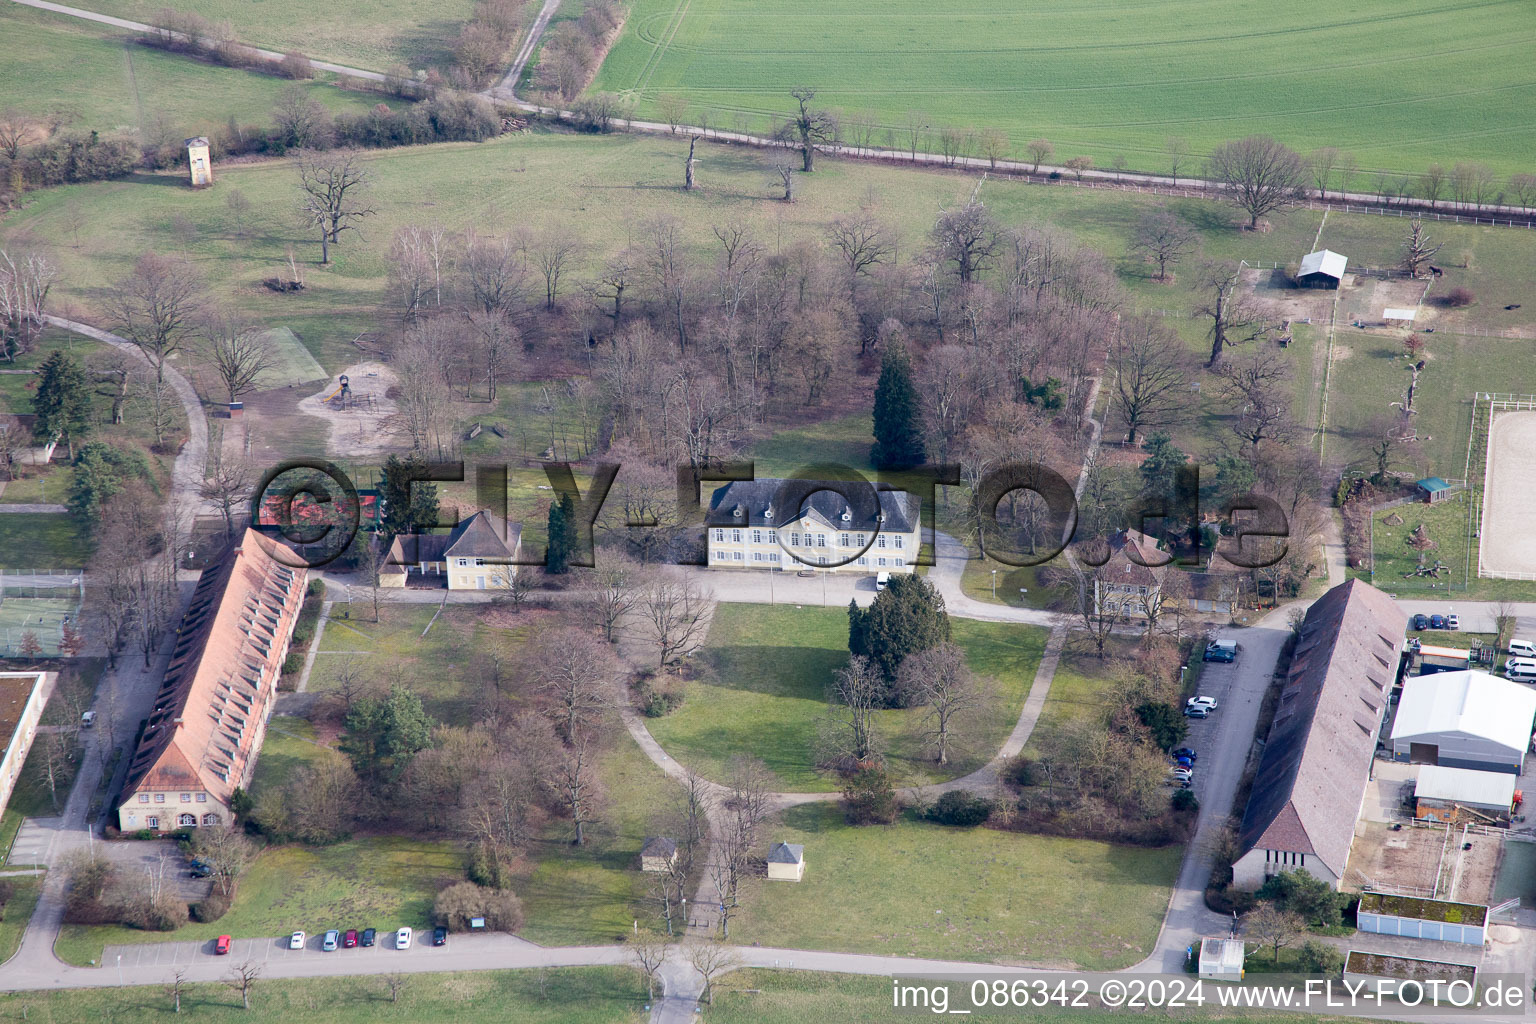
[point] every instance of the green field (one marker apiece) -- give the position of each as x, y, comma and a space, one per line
1108, 77
291, 361
50, 62
572, 995
371, 36
43, 617
766, 697
1446, 526
916, 889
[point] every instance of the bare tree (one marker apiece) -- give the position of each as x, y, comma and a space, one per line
396, 983
1234, 317
1085, 605
676, 610
688, 182
1503, 620
554, 251
994, 145
1040, 150
51, 761
228, 485
673, 108
863, 242
25, 280
227, 851
1176, 147
1165, 238
15, 127
1259, 175
939, 679
174, 987
239, 354
242, 978
969, 238
1322, 163
649, 956
577, 673
1151, 383
334, 186
808, 127
1417, 250
784, 177
239, 206
1523, 188
614, 587
711, 961
1273, 927
1433, 184
1257, 391
854, 695
572, 777
157, 306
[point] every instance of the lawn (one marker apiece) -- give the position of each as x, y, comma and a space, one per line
1103, 79
764, 694
370, 35
50, 61
1395, 560
917, 889
569, 995
17, 912
372, 881
42, 542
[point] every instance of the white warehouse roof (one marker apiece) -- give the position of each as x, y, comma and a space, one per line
1465, 786
1324, 261
1470, 702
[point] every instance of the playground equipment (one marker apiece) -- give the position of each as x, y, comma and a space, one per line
342, 391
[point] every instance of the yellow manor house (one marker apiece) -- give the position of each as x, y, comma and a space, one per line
862, 532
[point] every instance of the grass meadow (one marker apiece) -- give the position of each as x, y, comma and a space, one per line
110, 83
569, 995
918, 889
1104, 78
766, 697
372, 35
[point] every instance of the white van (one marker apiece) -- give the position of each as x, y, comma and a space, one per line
882, 580
1522, 649
1521, 670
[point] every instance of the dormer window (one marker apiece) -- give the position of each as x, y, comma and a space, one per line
768, 512
847, 514
736, 512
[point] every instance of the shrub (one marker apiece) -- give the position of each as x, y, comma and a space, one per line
1185, 800
165, 914
1459, 298
1316, 957
869, 798
293, 663
316, 587
960, 809
658, 703
111, 832
486, 869
1020, 771
457, 904
206, 911
295, 65
144, 833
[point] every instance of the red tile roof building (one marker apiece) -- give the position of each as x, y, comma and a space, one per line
210, 715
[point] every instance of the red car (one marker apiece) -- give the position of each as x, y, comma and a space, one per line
222, 946
349, 940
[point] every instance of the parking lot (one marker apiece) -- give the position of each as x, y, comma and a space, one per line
166, 954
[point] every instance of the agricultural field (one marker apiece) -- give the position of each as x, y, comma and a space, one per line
107, 82
1104, 78
370, 35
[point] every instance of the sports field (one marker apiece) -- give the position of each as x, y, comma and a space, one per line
1401, 84
40, 616
1508, 516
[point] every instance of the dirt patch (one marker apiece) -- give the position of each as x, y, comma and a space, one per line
1508, 515
361, 422
1426, 862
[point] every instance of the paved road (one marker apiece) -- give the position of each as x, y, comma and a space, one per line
16, 509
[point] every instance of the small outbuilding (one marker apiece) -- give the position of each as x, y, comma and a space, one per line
1455, 794
1321, 269
1433, 490
1427, 659
786, 862
1466, 719
658, 853
1221, 959
199, 162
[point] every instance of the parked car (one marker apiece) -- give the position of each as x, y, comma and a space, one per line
369, 935
1437, 622
1419, 622
1184, 752
1181, 774
331, 941
221, 947
1521, 670
87, 719
296, 940
882, 580
201, 869
1452, 622
1198, 711
1201, 702
1183, 762
439, 936
1522, 649
349, 940
403, 939
1216, 650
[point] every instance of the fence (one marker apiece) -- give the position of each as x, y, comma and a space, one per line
1497, 401
41, 582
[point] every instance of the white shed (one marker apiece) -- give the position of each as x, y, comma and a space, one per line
1466, 719
1221, 959
1439, 791
1322, 269
786, 862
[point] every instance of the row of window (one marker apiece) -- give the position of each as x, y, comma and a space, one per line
811, 540
186, 798
1295, 860
773, 556
183, 820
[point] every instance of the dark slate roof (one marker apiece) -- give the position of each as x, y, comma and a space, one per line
1122, 569
754, 498
479, 536
786, 853
1312, 777
659, 846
